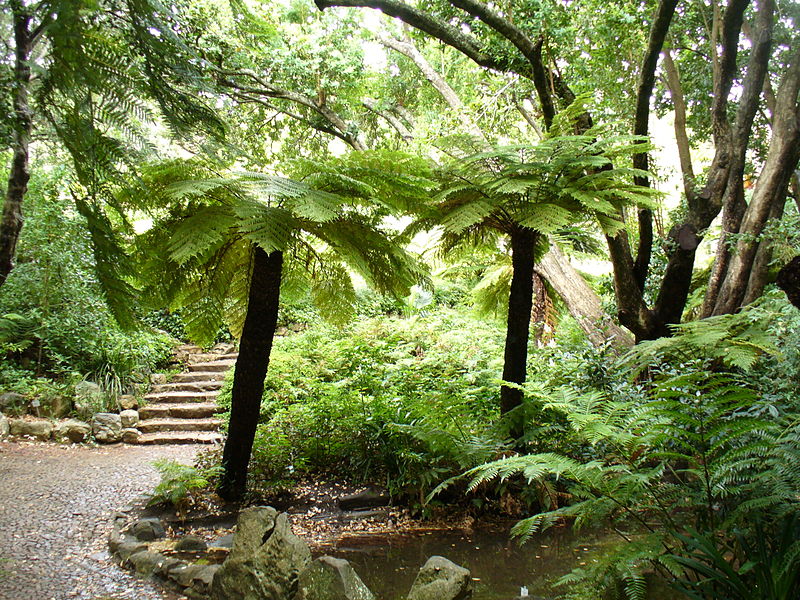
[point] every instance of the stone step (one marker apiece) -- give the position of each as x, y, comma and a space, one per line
217, 365
187, 386
192, 376
178, 425
181, 397
195, 410
213, 356
180, 437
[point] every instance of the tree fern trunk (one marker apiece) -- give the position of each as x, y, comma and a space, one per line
251, 370
520, 303
19, 173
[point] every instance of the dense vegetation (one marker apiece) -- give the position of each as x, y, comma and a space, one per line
415, 195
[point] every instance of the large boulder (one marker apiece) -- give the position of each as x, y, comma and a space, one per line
4, 427
265, 561
40, 429
129, 418
89, 397
72, 430
128, 402
107, 428
148, 529
131, 435
12, 402
329, 578
441, 579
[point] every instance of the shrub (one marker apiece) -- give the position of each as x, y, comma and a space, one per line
403, 400
55, 321
694, 456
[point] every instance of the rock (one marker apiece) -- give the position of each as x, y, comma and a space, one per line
265, 561
88, 398
361, 515
146, 562
116, 539
129, 418
169, 565
191, 543
148, 529
158, 378
107, 428
202, 580
57, 407
329, 578
128, 548
226, 541
39, 429
4, 427
73, 430
128, 402
369, 498
131, 435
12, 402
441, 579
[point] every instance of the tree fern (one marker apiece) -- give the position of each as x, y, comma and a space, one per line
698, 452
212, 219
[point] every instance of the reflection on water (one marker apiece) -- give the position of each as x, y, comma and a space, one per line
388, 564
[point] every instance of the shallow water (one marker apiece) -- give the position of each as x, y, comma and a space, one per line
388, 564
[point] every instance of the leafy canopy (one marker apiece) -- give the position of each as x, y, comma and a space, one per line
327, 222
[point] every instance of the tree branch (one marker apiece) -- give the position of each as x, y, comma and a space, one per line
531, 50
441, 30
733, 202
393, 120
408, 49
681, 137
647, 79
268, 90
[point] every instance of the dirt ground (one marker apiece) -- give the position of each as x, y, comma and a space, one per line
56, 504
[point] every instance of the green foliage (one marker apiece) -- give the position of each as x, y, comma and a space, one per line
55, 320
562, 181
179, 482
326, 231
409, 401
691, 449
763, 566
735, 341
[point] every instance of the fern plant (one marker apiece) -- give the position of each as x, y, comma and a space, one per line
228, 247
178, 483
524, 194
764, 566
700, 453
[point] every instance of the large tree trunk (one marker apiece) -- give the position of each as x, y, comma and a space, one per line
581, 300
771, 188
19, 174
520, 303
255, 347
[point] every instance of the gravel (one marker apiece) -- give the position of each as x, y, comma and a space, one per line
56, 504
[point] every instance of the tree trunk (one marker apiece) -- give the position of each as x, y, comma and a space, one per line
540, 309
520, 303
770, 188
581, 300
760, 273
251, 370
19, 174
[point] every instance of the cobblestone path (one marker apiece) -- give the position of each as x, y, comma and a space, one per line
56, 505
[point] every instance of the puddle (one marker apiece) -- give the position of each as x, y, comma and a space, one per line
388, 564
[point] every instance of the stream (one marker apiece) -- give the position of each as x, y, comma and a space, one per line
500, 567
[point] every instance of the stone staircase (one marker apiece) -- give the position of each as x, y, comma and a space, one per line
182, 410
